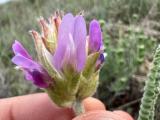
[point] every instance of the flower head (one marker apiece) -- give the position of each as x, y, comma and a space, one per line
68, 62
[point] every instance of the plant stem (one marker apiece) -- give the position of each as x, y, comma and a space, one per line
78, 108
151, 91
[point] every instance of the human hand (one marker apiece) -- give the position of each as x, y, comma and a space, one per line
40, 107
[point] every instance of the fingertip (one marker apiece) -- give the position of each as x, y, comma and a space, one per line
99, 115
91, 104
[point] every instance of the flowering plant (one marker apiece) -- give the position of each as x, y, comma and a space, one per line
68, 60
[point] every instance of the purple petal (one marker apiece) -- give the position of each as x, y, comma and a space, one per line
95, 36
32, 70
69, 57
39, 78
101, 57
79, 37
100, 61
24, 62
28, 76
19, 49
65, 29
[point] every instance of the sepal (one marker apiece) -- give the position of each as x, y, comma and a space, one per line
87, 87
63, 93
90, 64
44, 55
46, 59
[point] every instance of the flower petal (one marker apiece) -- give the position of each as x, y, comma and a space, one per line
24, 62
28, 76
95, 36
79, 37
19, 49
101, 57
69, 59
100, 61
65, 28
33, 71
40, 79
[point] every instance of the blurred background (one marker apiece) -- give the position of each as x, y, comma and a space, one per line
131, 32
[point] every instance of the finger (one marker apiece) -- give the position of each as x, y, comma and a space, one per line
123, 114
91, 104
32, 107
99, 115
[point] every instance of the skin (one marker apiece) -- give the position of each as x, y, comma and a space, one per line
40, 107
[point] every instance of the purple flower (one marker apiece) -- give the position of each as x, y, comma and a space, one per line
95, 36
61, 49
71, 49
32, 70
67, 58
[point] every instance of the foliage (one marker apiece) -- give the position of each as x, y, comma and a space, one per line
126, 51
151, 91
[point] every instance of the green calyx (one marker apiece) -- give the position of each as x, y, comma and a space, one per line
71, 88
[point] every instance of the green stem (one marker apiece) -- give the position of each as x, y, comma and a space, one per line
78, 108
151, 92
